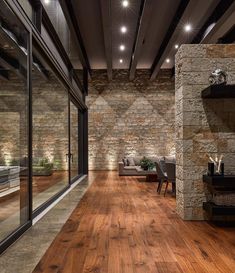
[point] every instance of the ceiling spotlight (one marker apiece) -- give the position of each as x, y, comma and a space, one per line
125, 3
121, 61
176, 46
188, 28
167, 60
46, 2
122, 47
123, 29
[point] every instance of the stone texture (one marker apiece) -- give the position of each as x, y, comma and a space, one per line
129, 117
203, 127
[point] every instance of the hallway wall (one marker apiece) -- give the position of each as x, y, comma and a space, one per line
129, 117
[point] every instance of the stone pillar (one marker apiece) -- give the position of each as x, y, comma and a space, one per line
203, 127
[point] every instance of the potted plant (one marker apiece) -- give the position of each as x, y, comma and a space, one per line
146, 164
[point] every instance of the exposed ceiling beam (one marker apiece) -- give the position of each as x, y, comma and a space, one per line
38, 65
143, 22
71, 19
12, 64
166, 44
220, 26
228, 37
105, 6
219, 15
4, 74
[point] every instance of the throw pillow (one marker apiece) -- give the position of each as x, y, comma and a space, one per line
131, 161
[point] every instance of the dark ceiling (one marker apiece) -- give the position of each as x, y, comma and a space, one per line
154, 27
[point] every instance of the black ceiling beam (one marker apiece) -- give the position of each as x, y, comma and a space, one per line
228, 8
173, 25
105, 6
12, 64
215, 16
71, 19
228, 37
4, 73
146, 9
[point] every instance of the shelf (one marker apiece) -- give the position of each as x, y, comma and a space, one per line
223, 182
213, 209
218, 91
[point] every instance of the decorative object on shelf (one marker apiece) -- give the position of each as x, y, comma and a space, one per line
216, 166
146, 164
218, 76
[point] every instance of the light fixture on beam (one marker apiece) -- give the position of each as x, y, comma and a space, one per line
122, 47
123, 29
187, 27
121, 61
168, 60
176, 46
125, 3
47, 2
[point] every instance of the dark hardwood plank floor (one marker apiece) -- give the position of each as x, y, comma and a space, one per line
122, 225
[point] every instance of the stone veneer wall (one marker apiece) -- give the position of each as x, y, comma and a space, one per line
129, 117
203, 126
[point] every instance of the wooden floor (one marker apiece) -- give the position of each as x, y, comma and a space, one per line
122, 226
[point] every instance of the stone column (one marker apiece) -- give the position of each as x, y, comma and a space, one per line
203, 127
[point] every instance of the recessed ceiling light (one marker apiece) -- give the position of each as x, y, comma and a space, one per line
187, 27
125, 3
167, 60
176, 46
122, 47
123, 29
121, 61
46, 2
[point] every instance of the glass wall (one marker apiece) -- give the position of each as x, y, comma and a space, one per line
74, 141
50, 132
14, 179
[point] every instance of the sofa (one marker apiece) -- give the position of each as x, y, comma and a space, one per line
129, 165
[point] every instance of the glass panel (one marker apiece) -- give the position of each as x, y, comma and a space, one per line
50, 132
56, 15
74, 140
27, 8
14, 194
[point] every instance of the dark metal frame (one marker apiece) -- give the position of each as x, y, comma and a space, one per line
34, 31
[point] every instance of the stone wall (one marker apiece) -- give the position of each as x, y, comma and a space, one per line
203, 126
129, 117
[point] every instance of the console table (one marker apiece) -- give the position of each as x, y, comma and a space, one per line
219, 184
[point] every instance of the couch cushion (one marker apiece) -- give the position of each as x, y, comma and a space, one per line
130, 168
131, 161
170, 159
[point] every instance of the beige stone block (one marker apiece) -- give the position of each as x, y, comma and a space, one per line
229, 51
215, 51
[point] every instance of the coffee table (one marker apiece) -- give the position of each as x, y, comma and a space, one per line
151, 176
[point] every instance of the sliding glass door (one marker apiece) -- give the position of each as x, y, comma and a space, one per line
50, 110
14, 96
74, 141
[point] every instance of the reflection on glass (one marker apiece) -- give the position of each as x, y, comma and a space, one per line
74, 140
50, 132
13, 123
57, 17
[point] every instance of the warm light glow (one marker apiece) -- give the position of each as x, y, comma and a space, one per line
167, 60
123, 29
122, 47
47, 2
125, 3
121, 61
176, 46
188, 28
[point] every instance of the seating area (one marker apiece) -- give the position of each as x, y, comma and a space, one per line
163, 170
